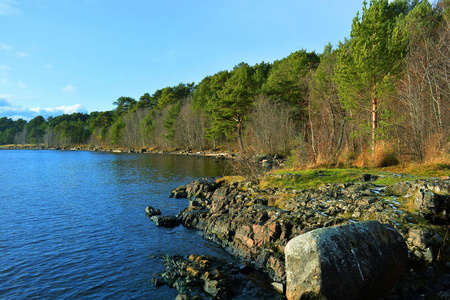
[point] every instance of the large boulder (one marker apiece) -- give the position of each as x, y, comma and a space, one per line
357, 261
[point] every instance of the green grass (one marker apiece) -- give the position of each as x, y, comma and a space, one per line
387, 178
314, 178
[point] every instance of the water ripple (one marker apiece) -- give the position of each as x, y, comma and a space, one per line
72, 223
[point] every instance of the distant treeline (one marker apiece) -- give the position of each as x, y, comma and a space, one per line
383, 94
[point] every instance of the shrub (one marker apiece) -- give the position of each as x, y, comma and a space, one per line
386, 158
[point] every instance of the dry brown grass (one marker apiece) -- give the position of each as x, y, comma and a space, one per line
231, 179
18, 146
407, 204
435, 169
279, 200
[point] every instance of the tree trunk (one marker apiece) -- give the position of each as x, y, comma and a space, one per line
240, 132
374, 123
311, 126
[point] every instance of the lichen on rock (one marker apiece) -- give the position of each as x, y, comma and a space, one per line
345, 262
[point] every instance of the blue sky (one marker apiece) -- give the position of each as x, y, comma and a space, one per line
65, 56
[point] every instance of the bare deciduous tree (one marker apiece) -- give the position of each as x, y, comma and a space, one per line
425, 90
271, 128
189, 131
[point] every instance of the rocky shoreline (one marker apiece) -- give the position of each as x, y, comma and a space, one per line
205, 153
255, 226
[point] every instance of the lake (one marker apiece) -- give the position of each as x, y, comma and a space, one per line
73, 223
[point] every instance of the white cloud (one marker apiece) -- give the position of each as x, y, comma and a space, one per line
55, 111
8, 7
4, 46
15, 112
4, 68
48, 66
36, 110
66, 109
69, 89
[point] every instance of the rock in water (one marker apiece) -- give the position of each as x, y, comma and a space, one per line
357, 261
166, 221
198, 276
150, 211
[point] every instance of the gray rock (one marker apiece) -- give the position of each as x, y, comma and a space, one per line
424, 244
241, 218
208, 277
187, 296
431, 198
279, 287
357, 261
202, 188
432, 206
150, 211
179, 192
166, 221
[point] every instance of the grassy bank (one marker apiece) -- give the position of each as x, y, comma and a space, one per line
316, 177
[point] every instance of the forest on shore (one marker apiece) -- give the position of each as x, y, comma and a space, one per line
381, 96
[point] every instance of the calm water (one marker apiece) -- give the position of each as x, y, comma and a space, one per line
73, 226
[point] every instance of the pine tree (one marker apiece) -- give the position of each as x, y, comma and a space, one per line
233, 103
371, 61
